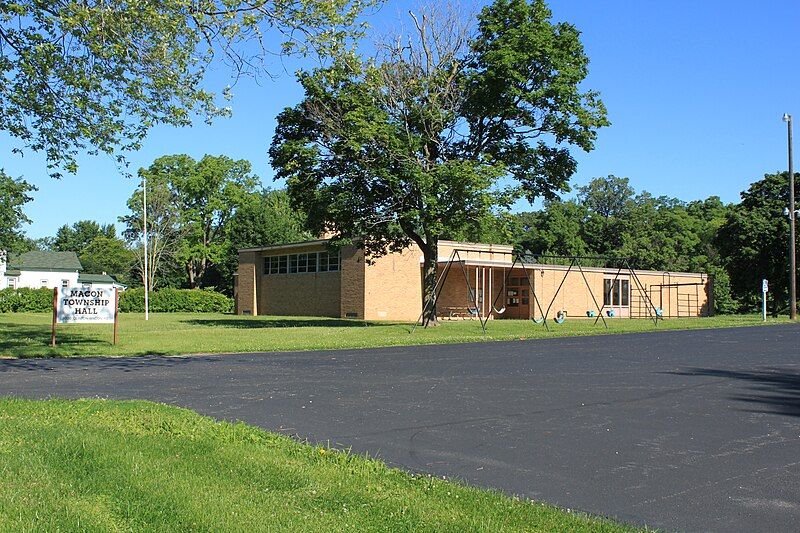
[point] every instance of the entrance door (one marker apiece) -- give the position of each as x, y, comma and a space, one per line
518, 298
616, 296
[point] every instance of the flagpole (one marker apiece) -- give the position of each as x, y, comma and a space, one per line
146, 258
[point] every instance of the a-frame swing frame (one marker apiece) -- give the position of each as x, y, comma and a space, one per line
623, 263
519, 258
455, 256
531, 285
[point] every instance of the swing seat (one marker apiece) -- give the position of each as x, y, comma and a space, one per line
538, 320
659, 312
561, 316
499, 311
590, 313
473, 311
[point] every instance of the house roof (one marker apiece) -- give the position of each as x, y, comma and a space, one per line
49, 261
97, 278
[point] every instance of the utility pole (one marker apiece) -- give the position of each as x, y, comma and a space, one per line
792, 217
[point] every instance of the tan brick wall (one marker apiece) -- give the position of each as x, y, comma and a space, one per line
393, 286
574, 297
475, 251
352, 283
306, 294
246, 284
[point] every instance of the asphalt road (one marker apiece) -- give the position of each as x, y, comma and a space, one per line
687, 430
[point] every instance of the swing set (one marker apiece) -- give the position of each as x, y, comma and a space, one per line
477, 309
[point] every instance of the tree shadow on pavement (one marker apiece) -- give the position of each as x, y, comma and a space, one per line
99, 363
771, 390
254, 323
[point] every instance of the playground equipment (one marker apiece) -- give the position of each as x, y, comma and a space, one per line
524, 262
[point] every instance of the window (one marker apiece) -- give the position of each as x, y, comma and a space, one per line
333, 262
302, 263
512, 298
616, 292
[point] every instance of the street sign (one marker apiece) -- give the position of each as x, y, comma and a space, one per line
764, 286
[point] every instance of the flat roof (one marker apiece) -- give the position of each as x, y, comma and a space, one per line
543, 266
461, 245
300, 244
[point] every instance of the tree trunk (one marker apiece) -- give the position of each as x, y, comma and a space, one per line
190, 274
430, 253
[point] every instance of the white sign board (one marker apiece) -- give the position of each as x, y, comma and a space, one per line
764, 286
82, 304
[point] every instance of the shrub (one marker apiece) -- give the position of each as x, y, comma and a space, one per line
176, 301
26, 300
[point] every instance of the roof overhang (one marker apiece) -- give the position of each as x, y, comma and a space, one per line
276, 247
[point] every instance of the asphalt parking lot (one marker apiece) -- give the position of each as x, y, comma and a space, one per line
687, 430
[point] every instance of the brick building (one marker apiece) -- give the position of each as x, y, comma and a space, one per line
306, 279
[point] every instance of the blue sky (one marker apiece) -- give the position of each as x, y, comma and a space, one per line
695, 93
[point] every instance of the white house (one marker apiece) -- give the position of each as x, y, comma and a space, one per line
40, 269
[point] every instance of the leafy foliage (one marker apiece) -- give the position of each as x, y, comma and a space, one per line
24, 300
98, 75
193, 203
175, 301
754, 241
263, 219
14, 194
77, 237
110, 255
163, 229
418, 145
609, 219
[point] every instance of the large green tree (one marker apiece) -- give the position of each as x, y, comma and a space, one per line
98, 74
14, 194
109, 255
754, 242
79, 235
263, 219
608, 218
450, 123
164, 231
196, 200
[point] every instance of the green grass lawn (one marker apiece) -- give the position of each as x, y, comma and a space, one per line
96, 465
28, 334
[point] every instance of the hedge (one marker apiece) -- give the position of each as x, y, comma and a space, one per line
130, 301
26, 300
176, 301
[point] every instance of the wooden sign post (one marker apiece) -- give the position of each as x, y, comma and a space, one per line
116, 313
55, 315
